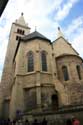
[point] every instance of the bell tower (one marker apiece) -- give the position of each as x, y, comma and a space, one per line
18, 29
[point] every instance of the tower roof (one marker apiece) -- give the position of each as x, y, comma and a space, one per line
35, 35
21, 20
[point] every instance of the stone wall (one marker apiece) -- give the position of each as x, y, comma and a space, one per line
62, 46
74, 85
54, 118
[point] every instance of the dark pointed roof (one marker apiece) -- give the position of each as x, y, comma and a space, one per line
35, 35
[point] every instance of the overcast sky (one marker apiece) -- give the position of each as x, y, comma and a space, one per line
47, 15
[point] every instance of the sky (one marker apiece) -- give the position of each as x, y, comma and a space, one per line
46, 15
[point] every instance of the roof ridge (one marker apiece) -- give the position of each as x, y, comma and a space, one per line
33, 35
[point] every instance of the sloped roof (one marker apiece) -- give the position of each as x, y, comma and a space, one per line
35, 35
31, 36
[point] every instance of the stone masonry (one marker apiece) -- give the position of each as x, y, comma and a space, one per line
38, 90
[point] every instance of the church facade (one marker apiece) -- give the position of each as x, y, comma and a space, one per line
39, 74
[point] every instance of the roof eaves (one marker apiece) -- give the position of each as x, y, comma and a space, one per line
66, 54
28, 39
22, 25
62, 38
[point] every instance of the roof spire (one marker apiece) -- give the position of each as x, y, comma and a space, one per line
35, 28
21, 20
58, 28
22, 14
60, 34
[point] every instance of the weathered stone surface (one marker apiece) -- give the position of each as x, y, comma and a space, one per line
36, 89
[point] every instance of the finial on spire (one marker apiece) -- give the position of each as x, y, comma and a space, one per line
35, 28
60, 34
59, 28
22, 14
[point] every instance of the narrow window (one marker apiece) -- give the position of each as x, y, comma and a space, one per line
44, 61
78, 71
18, 30
18, 37
30, 62
65, 73
23, 32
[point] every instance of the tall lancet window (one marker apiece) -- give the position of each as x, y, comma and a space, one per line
65, 73
78, 71
30, 61
44, 60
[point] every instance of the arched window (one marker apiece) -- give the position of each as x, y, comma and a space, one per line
78, 71
44, 61
30, 61
65, 73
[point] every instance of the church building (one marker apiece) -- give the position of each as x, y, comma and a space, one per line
39, 74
